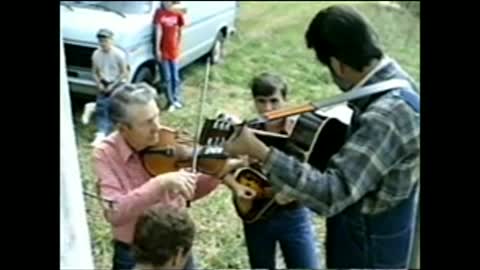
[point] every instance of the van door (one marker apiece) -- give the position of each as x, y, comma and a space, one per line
204, 19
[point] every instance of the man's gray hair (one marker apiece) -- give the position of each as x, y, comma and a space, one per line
129, 94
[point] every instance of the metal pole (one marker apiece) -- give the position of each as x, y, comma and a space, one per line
75, 250
415, 253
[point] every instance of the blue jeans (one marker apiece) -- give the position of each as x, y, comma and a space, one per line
102, 110
171, 77
123, 258
356, 240
293, 230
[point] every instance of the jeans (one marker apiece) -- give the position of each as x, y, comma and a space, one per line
123, 258
356, 240
171, 76
293, 230
104, 123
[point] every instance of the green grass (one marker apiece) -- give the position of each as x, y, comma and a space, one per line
270, 37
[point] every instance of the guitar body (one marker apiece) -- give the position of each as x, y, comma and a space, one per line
316, 138
251, 210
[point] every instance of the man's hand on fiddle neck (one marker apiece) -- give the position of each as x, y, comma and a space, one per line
246, 143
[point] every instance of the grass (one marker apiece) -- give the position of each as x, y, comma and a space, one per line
270, 37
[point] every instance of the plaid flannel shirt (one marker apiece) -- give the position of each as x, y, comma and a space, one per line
377, 166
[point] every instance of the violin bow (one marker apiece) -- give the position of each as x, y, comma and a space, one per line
109, 202
199, 120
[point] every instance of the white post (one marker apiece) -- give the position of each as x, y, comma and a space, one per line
75, 250
415, 255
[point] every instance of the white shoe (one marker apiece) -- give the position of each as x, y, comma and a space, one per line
171, 108
98, 139
178, 105
88, 110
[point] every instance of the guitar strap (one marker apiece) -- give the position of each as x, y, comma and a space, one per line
412, 98
363, 92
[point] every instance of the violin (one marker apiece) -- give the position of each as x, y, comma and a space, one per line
175, 151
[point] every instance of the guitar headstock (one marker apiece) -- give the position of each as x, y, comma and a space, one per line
217, 130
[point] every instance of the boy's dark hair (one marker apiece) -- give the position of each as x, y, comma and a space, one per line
343, 33
160, 232
266, 84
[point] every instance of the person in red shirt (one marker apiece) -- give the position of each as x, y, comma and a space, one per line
169, 22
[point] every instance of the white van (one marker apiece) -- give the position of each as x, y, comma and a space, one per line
209, 24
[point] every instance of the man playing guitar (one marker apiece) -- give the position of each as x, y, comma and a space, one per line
287, 222
368, 189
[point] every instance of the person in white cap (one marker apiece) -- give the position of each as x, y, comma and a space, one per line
109, 68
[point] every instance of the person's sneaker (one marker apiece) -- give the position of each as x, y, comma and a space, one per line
171, 108
88, 110
98, 139
178, 105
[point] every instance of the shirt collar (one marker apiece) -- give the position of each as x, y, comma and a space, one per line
385, 61
124, 149
375, 75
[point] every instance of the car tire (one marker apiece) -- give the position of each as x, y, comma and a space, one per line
145, 74
218, 50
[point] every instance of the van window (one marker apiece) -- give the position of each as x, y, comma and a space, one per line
126, 7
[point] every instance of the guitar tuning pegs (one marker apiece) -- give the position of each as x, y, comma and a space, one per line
225, 126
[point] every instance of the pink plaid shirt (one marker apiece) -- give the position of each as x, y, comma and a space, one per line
122, 178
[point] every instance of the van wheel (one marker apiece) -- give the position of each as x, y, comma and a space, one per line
218, 50
144, 75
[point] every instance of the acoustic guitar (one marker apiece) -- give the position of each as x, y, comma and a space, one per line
315, 138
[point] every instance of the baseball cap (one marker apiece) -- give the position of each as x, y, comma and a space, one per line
104, 33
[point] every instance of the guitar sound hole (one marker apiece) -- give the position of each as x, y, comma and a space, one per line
248, 193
